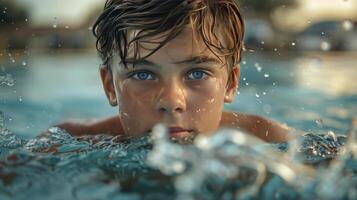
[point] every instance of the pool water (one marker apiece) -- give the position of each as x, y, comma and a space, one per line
315, 94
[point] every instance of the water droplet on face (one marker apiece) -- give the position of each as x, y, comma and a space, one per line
325, 46
347, 25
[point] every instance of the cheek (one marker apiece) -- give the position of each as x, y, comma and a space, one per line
135, 95
206, 104
134, 106
210, 93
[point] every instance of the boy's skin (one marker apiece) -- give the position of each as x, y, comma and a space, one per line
183, 86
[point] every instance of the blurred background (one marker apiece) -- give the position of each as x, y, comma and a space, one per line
298, 67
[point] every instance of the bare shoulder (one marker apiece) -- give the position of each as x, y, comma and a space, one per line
263, 128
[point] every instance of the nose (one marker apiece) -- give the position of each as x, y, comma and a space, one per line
172, 99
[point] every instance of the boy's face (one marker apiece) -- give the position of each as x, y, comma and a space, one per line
182, 85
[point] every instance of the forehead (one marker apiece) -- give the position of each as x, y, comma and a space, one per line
185, 45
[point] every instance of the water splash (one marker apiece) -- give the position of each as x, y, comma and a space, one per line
227, 165
7, 80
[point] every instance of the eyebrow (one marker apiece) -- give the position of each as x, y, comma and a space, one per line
192, 60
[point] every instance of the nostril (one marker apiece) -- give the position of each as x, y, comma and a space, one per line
162, 109
180, 110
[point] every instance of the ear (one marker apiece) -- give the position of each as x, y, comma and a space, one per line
232, 84
108, 84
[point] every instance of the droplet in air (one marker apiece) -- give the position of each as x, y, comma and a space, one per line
293, 44
24, 63
55, 23
319, 122
266, 75
347, 25
258, 67
257, 95
325, 46
66, 27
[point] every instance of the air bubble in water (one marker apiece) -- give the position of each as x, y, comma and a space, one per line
347, 25
325, 46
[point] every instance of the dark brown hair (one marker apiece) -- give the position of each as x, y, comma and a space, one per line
167, 18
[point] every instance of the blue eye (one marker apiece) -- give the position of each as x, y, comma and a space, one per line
144, 76
197, 75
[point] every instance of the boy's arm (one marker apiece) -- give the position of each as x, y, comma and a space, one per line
265, 129
110, 125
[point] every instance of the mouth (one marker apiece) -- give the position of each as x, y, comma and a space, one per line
176, 132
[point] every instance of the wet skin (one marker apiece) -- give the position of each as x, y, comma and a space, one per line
183, 86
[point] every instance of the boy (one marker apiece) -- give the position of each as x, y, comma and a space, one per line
174, 62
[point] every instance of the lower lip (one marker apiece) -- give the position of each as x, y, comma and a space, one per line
180, 134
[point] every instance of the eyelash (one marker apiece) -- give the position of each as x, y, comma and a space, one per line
198, 70
136, 73
132, 75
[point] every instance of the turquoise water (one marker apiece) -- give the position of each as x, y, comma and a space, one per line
305, 92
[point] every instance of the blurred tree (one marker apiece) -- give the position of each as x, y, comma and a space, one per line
263, 8
11, 13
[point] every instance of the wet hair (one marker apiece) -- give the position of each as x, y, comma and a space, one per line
210, 20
